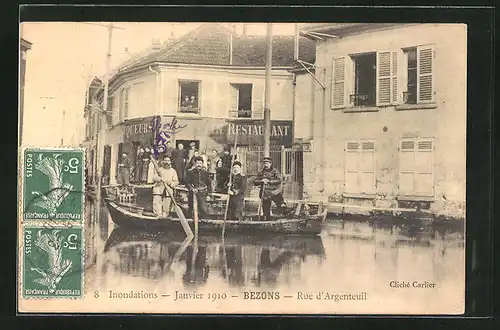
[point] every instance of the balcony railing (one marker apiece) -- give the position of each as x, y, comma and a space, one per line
189, 110
233, 113
357, 99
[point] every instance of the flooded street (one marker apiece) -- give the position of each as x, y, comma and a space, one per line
262, 274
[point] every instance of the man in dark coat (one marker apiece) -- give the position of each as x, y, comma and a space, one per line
236, 193
179, 158
269, 179
224, 171
198, 182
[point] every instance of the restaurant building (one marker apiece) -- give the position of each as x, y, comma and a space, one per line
388, 119
206, 87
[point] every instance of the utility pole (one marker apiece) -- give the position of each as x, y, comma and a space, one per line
267, 94
101, 132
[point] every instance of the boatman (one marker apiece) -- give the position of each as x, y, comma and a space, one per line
269, 179
198, 183
161, 198
236, 193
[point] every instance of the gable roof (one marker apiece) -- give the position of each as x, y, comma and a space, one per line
210, 44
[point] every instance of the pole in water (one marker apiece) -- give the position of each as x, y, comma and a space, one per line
267, 94
195, 215
230, 183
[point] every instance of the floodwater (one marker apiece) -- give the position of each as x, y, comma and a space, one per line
136, 270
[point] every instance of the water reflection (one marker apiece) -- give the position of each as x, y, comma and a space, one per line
347, 256
236, 260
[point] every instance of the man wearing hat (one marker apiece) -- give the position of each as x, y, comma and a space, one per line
198, 183
269, 178
236, 193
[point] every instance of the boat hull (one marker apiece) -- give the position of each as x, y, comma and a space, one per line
304, 226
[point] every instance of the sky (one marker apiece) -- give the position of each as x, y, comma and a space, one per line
65, 56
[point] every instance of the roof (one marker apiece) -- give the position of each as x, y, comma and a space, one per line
343, 29
210, 44
25, 44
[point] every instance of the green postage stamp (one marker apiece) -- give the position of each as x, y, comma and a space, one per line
53, 184
52, 262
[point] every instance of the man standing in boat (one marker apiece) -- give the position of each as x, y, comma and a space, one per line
198, 182
124, 170
269, 179
179, 158
161, 198
236, 193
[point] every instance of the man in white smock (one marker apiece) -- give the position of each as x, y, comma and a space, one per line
161, 199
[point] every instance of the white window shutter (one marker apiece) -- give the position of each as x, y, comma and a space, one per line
351, 167
338, 96
258, 101
383, 88
234, 94
425, 67
125, 106
424, 168
122, 103
367, 167
395, 63
407, 167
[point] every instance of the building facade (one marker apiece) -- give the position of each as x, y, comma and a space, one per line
24, 47
389, 127
206, 87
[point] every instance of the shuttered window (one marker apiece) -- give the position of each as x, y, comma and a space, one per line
109, 112
121, 105
360, 167
338, 82
416, 167
387, 77
425, 87
125, 102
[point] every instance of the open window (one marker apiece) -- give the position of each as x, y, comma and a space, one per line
241, 100
365, 79
419, 73
189, 92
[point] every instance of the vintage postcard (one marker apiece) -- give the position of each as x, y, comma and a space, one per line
242, 168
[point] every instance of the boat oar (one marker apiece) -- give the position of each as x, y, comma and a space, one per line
178, 210
229, 185
195, 214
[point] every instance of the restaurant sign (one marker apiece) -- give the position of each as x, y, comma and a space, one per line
252, 132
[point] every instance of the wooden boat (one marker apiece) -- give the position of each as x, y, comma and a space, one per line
125, 215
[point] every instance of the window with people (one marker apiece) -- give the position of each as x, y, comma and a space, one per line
394, 77
189, 96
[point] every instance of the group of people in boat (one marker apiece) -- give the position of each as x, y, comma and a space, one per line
199, 182
141, 170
